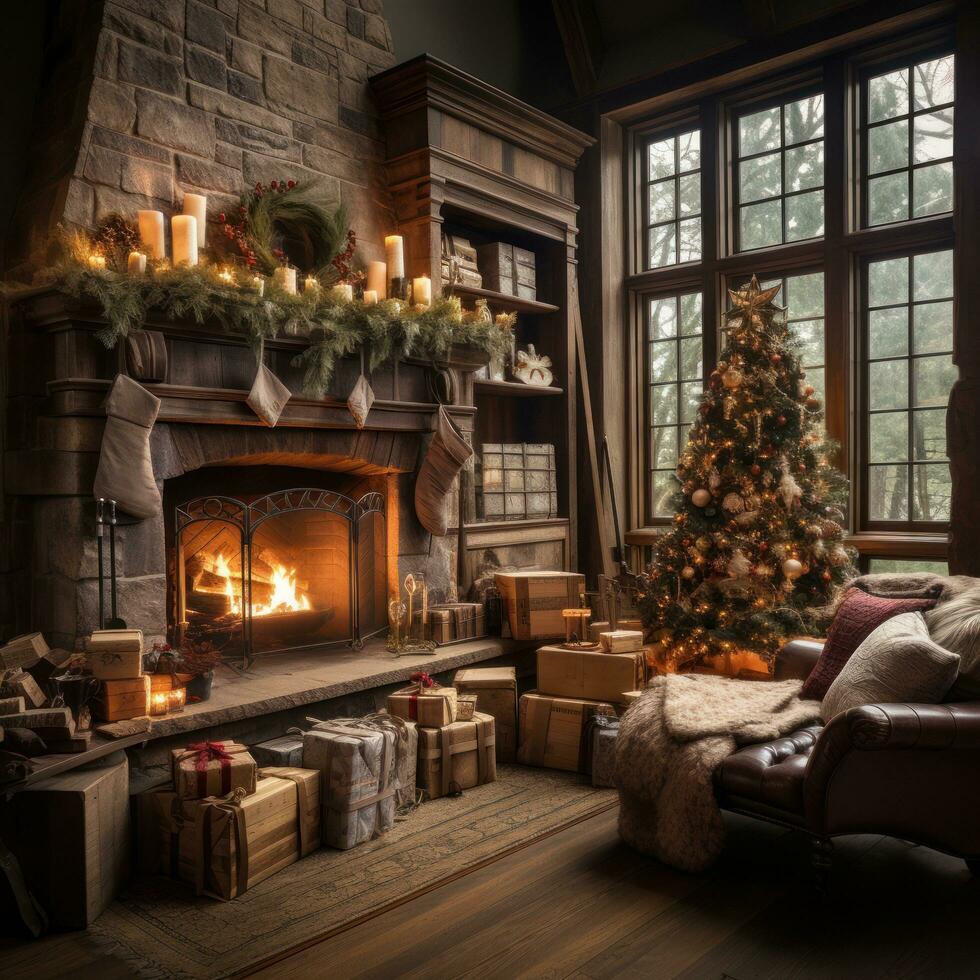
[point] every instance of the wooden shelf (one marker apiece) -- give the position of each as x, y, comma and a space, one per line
529, 522
501, 299
514, 389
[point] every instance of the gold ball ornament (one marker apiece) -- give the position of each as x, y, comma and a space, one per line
732, 378
733, 503
792, 568
703, 545
687, 572
701, 497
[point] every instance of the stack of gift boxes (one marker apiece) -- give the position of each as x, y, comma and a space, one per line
115, 657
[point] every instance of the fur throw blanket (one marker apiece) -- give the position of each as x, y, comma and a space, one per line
670, 743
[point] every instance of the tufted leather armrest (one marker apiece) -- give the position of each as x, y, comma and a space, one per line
796, 659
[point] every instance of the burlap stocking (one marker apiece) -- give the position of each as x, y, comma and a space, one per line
445, 457
125, 472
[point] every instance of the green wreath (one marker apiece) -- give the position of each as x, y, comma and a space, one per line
284, 222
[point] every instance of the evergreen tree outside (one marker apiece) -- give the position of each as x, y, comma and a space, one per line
756, 549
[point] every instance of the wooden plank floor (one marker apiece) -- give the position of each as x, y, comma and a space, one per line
582, 905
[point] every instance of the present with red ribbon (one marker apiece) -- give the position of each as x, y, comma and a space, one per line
212, 769
424, 702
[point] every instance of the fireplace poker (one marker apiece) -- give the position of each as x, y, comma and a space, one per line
115, 622
99, 533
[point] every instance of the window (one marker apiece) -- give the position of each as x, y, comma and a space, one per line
909, 142
673, 200
910, 371
904, 566
780, 174
675, 354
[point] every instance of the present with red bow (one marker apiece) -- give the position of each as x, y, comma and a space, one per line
424, 702
212, 769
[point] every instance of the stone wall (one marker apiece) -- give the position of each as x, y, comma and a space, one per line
148, 100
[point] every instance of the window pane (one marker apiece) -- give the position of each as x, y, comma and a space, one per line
888, 437
933, 82
889, 332
815, 377
932, 190
804, 296
691, 313
663, 201
662, 246
663, 318
663, 361
888, 383
664, 486
888, 493
933, 327
810, 335
690, 243
661, 159
804, 216
760, 178
759, 132
932, 273
804, 119
934, 377
908, 565
690, 366
929, 434
689, 197
888, 282
888, 199
663, 447
663, 404
888, 147
933, 136
804, 167
761, 224
689, 151
930, 492
888, 95
690, 399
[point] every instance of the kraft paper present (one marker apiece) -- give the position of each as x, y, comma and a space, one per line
602, 734
358, 762
457, 756
534, 601
116, 641
115, 664
592, 676
495, 689
621, 641
553, 731
284, 751
212, 769
430, 707
122, 699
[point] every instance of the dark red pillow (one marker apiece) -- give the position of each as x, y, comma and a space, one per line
857, 617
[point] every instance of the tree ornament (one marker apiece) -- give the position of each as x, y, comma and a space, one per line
792, 568
687, 572
789, 489
813, 531
775, 358
780, 420
733, 503
705, 407
826, 576
838, 557
813, 404
831, 530
732, 378
703, 545
714, 479
809, 390
738, 565
762, 570
755, 469
701, 497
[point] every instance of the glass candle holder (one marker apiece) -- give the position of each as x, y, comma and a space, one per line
176, 699
159, 703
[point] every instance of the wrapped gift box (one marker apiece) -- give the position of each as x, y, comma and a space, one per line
589, 675
122, 699
457, 756
226, 846
496, 695
431, 707
621, 641
534, 601
212, 769
115, 664
597, 628
453, 621
70, 834
601, 740
116, 641
553, 731
358, 761
284, 751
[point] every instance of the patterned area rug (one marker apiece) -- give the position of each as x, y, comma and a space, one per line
159, 930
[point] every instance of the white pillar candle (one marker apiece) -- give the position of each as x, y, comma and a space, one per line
285, 277
311, 285
136, 264
258, 284
395, 256
96, 261
344, 292
422, 291
151, 233
377, 279
183, 232
370, 297
197, 205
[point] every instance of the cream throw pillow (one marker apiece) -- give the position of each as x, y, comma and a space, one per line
896, 663
955, 625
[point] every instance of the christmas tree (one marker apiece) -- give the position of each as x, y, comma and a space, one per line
756, 548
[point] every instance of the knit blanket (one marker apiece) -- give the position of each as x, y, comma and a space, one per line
670, 743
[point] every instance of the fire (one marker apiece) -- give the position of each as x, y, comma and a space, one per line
284, 598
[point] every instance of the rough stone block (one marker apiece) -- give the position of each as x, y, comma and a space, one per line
328, 31
144, 67
103, 166
112, 105
174, 124
245, 87
253, 138
108, 200
328, 161
138, 28
352, 67
309, 57
205, 26
301, 88
246, 57
141, 548
169, 13
355, 21
106, 56
205, 67
336, 10
288, 11
210, 176
63, 526
141, 602
376, 31
257, 26
374, 56
257, 167
225, 105
129, 145
228, 156
148, 179
358, 121
79, 203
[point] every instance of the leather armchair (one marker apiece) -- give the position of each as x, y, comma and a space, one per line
906, 770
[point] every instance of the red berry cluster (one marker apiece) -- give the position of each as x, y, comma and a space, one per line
342, 260
237, 230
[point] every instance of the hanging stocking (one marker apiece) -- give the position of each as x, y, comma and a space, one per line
269, 395
125, 472
445, 457
361, 398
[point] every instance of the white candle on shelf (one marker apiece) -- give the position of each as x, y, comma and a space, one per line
183, 231
96, 261
370, 297
151, 233
422, 291
377, 279
258, 284
136, 264
285, 277
311, 285
344, 292
395, 256
197, 205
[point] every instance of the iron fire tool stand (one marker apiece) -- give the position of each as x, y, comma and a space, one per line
114, 622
